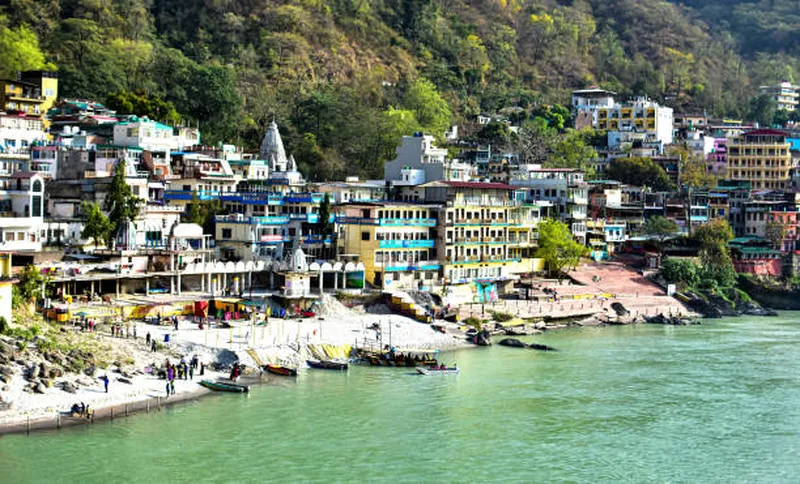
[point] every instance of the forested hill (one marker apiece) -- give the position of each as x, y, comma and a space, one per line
345, 77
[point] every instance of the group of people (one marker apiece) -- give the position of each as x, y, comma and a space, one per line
81, 410
87, 325
118, 331
181, 371
150, 342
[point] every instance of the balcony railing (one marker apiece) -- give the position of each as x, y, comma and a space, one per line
406, 244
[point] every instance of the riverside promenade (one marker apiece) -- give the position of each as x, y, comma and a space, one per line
595, 287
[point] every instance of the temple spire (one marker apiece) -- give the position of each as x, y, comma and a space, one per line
272, 146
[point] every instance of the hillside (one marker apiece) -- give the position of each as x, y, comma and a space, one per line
342, 77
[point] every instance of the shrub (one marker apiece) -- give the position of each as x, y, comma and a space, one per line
3, 325
501, 317
474, 322
683, 272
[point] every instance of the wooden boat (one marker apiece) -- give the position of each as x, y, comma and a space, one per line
327, 364
219, 386
280, 370
437, 371
386, 359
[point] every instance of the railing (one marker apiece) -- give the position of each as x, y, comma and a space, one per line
427, 265
407, 222
262, 220
406, 244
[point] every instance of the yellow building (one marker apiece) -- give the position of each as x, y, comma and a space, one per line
485, 234
761, 157
395, 241
33, 93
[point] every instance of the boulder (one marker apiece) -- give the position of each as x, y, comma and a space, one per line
522, 330
91, 370
31, 371
541, 325
47, 383
54, 373
122, 379
69, 387
514, 343
39, 387
538, 347
6, 370
42, 370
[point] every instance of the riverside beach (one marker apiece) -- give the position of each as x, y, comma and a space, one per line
336, 328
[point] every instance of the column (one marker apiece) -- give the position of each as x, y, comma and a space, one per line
202, 283
335, 281
224, 281
147, 286
321, 276
117, 288
250, 281
179, 282
171, 284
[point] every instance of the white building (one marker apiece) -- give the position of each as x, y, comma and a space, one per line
784, 94
22, 213
420, 161
18, 133
154, 136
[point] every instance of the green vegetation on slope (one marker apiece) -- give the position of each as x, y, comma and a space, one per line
345, 78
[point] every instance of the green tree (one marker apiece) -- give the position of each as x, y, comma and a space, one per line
120, 202
639, 172
203, 213
211, 99
717, 266
535, 142
762, 110
494, 133
97, 226
429, 107
775, 232
31, 284
682, 272
141, 103
660, 228
19, 50
570, 151
324, 225
557, 247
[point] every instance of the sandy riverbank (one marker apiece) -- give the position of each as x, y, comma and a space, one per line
281, 341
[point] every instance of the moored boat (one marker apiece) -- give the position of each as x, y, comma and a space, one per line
327, 364
219, 386
438, 371
280, 370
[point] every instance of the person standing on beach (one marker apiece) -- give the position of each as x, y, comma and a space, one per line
167, 389
191, 372
105, 382
172, 386
147, 338
153, 346
202, 368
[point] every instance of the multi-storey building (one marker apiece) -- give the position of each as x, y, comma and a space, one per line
760, 157
563, 190
22, 214
420, 161
19, 132
395, 241
640, 115
784, 94
717, 160
487, 231
354, 191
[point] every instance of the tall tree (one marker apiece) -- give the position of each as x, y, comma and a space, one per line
557, 247
660, 228
97, 226
120, 202
430, 109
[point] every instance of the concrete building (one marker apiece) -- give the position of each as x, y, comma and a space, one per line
785, 95
562, 189
420, 161
762, 158
19, 132
22, 210
395, 241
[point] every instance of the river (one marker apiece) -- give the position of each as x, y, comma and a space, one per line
713, 403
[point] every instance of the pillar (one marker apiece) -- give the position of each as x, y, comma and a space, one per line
179, 282
92, 286
224, 281
335, 281
202, 283
171, 284
147, 286
271, 279
117, 288
250, 281
363, 279
321, 277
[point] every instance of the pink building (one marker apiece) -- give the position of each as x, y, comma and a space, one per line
717, 160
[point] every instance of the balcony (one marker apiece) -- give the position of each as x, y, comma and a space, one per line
187, 194
315, 198
406, 244
407, 222
241, 219
399, 266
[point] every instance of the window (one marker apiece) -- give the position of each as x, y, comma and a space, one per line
365, 236
226, 233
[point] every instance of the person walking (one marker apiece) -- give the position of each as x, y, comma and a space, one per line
202, 368
105, 382
147, 338
168, 389
153, 346
191, 372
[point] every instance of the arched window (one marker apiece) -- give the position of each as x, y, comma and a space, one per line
37, 186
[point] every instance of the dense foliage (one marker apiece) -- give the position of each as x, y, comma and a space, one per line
343, 78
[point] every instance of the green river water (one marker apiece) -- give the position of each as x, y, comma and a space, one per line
713, 403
